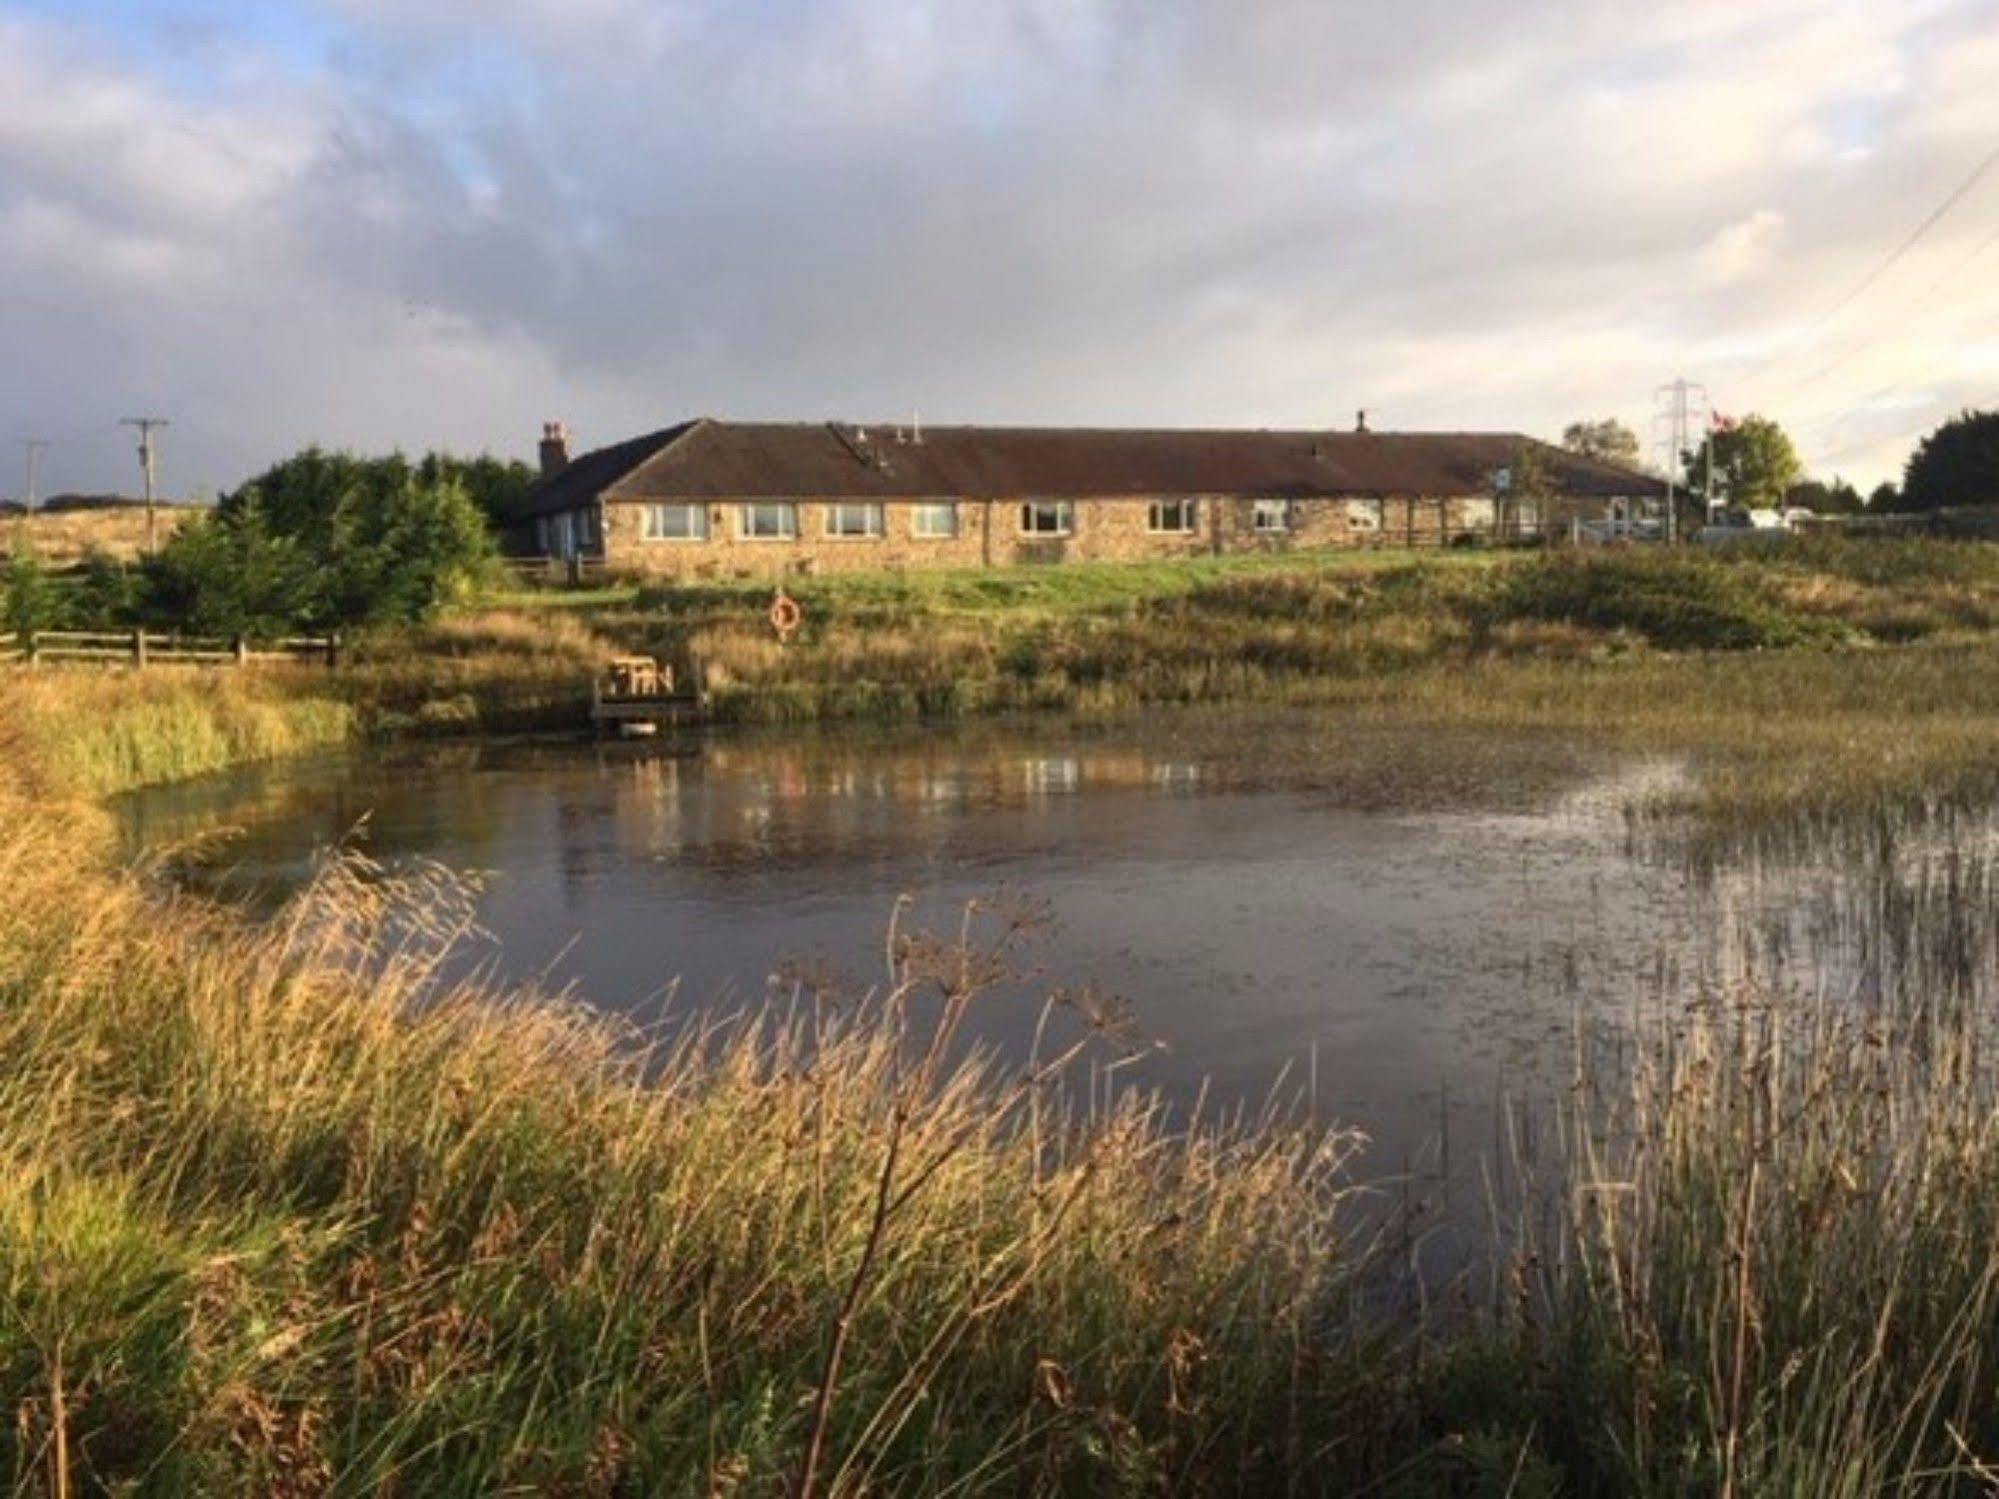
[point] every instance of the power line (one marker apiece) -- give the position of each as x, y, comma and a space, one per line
1904, 435
1893, 259
147, 425
1680, 405
36, 446
1904, 310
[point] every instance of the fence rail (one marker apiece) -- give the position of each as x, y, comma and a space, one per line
557, 572
145, 648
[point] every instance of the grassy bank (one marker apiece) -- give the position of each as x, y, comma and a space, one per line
279, 1215
1811, 680
94, 733
1301, 628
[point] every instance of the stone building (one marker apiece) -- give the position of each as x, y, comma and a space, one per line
720, 499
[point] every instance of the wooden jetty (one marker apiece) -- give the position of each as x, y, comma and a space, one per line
637, 694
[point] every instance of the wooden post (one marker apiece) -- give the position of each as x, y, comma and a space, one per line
242, 650
28, 643
139, 648
332, 649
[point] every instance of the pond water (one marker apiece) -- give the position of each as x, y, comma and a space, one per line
1415, 925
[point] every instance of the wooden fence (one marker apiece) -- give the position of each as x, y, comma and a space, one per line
557, 572
144, 648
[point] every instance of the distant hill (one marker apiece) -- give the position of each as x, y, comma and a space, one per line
63, 504
71, 527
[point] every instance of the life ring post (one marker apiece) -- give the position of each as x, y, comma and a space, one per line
785, 616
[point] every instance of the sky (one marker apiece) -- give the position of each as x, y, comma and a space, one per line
438, 223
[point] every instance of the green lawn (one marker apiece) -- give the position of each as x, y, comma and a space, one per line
1043, 590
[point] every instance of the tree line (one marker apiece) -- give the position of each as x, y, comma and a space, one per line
322, 541
1756, 466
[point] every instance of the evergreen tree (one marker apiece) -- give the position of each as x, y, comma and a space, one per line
1958, 464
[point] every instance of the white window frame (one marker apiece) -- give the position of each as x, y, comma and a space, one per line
920, 517
1188, 510
1063, 511
746, 529
652, 529
1369, 515
1271, 517
872, 525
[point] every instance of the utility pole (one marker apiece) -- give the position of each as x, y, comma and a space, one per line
1679, 404
36, 446
146, 426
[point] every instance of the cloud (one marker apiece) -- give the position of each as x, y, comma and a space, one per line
439, 221
1744, 250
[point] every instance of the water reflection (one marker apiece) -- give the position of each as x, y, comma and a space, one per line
1260, 889
1422, 924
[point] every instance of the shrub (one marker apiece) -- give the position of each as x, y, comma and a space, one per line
327, 540
29, 598
231, 574
1673, 602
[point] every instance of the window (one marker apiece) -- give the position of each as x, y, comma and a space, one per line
1273, 515
1364, 515
767, 522
676, 523
1047, 518
934, 522
853, 520
561, 538
1178, 517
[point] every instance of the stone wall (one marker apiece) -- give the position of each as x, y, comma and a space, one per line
990, 534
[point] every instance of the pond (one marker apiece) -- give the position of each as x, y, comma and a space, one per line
1410, 929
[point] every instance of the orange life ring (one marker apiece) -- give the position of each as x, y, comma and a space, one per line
785, 615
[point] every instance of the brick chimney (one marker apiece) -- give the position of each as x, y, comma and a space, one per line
554, 448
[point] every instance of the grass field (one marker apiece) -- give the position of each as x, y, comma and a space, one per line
1092, 638
62, 538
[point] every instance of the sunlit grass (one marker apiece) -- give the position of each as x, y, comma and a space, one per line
111, 730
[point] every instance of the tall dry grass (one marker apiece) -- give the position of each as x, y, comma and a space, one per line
65, 537
281, 1212
95, 731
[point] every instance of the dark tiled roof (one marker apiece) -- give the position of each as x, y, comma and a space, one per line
592, 473
750, 460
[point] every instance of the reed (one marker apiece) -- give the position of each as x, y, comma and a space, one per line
96, 732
